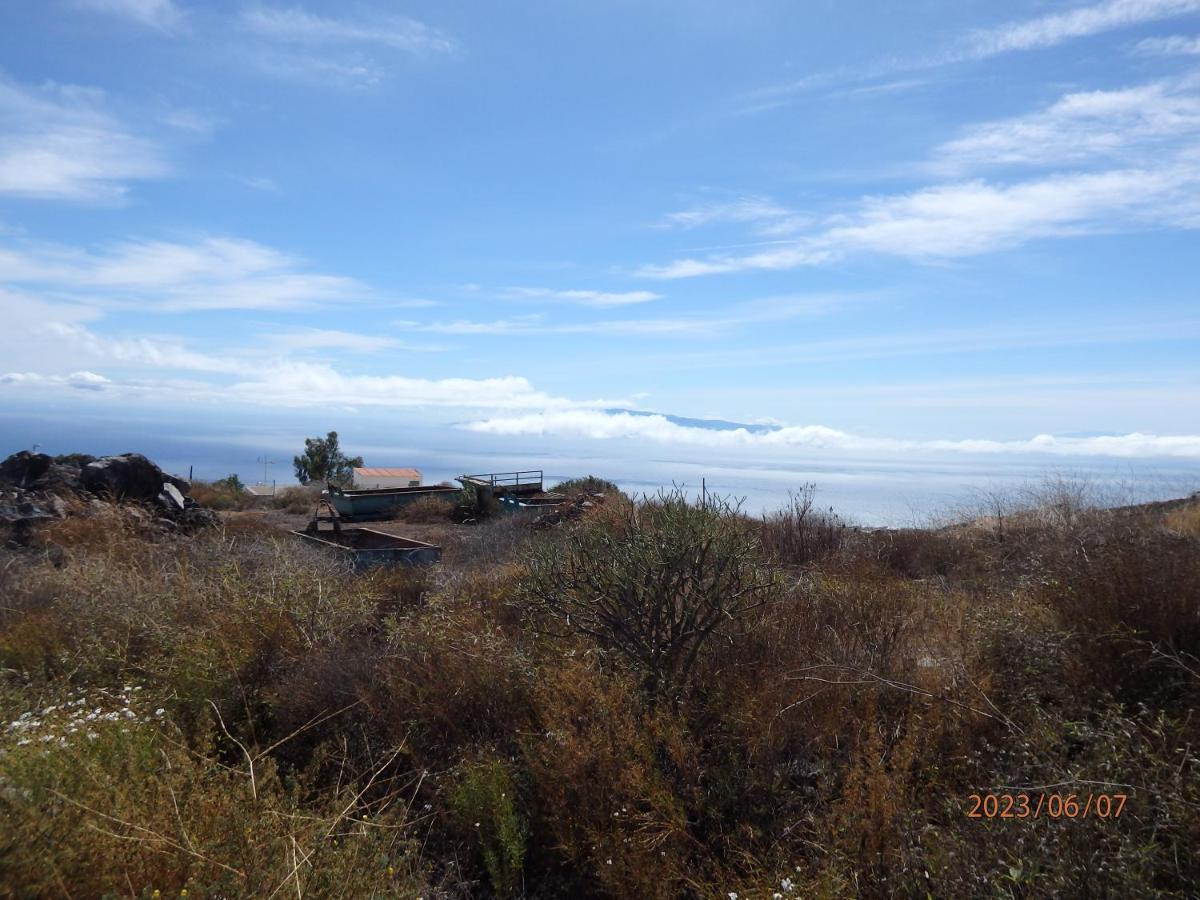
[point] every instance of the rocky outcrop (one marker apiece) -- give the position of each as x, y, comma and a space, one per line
35, 488
130, 476
22, 469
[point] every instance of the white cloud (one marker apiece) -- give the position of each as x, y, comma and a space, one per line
1138, 123
268, 185
977, 217
583, 297
283, 383
1175, 45
58, 142
323, 50
252, 375
1027, 34
331, 339
768, 309
396, 32
209, 273
1151, 132
155, 353
82, 381
745, 209
599, 425
533, 325
163, 15
1056, 28
305, 384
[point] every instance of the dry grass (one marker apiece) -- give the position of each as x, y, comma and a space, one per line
830, 737
427, 510
1185, 520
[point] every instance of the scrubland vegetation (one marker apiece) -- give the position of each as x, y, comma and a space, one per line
230, 494
658, 700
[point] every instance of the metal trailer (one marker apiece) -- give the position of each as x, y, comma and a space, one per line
510, 492
382, 503
366, 547
535, 504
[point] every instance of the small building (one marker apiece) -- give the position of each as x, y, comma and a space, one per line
372, 477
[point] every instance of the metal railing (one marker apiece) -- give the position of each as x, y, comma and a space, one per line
508, 479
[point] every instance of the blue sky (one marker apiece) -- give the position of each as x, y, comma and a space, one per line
945, 227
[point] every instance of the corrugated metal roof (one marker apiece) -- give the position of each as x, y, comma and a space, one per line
376, 472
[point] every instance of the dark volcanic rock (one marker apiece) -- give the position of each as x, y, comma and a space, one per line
199, 517
23, 468
130, 476
35, 488
171, 499
60, 479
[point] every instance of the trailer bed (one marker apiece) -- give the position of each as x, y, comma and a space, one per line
366, 547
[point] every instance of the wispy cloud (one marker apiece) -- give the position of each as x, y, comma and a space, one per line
209, 273
59, 142
1135, 124
1056, 28
163, 15
333, 339
534, 325
304, 45
397, 32
967, 219
1014, 36
582, 297
601, 425
261, 183
160, 354
1150, 133
1174, 45
752, 209
737, 315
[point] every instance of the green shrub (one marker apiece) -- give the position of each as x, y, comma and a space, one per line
588, 484
653, 583
485, 802
101, 797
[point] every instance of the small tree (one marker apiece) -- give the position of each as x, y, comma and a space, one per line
230, 483
654, 583
323, 460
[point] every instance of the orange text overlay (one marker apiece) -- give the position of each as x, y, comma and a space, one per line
1045, 806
